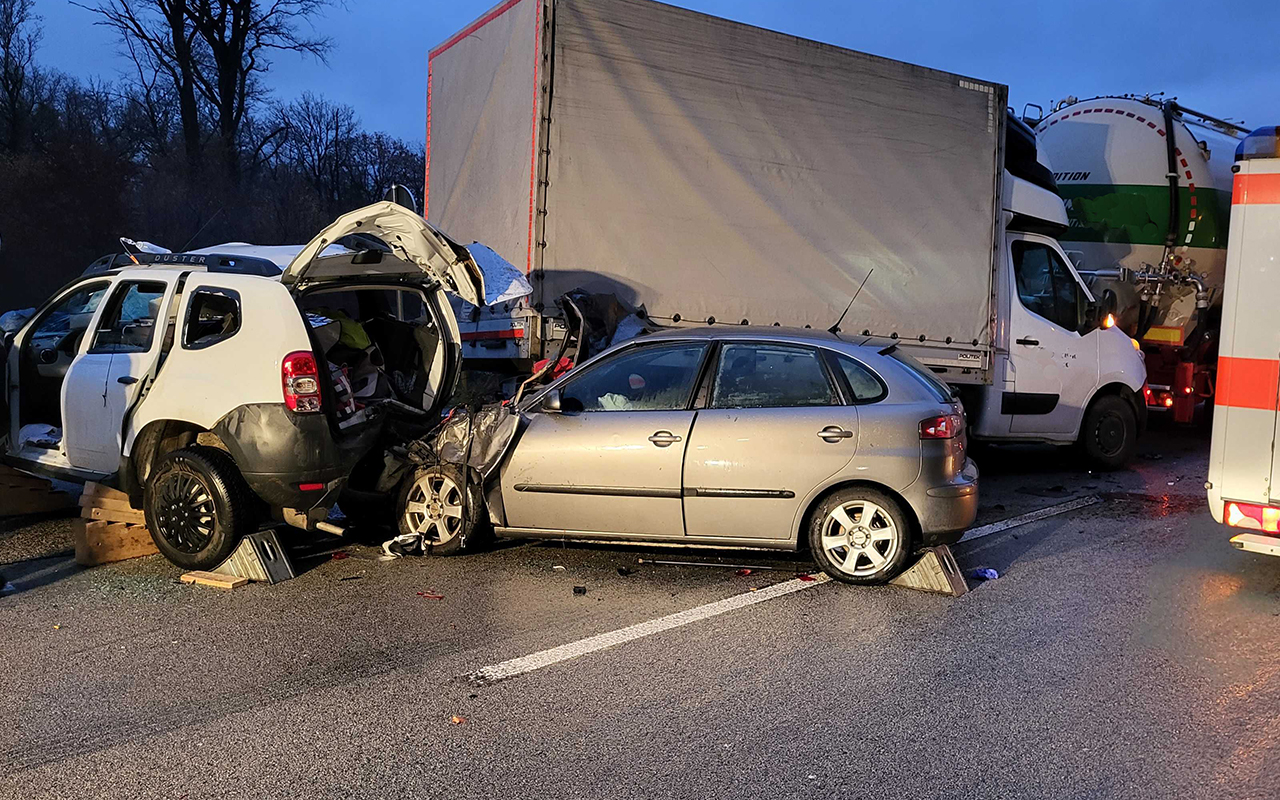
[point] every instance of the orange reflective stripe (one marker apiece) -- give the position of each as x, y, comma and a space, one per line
1263, 188
1247, 382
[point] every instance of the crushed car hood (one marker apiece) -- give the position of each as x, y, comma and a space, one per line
409, 238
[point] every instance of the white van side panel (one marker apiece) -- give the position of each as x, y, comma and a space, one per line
201, 386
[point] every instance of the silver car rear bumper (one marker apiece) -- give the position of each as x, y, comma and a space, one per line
945, 509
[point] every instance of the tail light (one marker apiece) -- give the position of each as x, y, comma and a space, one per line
301, 381
1252, 517
947, 426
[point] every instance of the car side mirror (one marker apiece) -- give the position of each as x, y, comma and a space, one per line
552, 403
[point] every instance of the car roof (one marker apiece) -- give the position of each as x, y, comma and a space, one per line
775, 333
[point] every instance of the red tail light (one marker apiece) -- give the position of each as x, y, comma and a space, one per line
301, 381
1252, 517
947, 426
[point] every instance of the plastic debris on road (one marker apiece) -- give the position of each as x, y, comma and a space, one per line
805, 577
579, 590
985, 574
559, 568
341, 554
431, 596
744, 571
457, 720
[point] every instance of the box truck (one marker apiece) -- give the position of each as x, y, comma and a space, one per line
1243, 459
717, 173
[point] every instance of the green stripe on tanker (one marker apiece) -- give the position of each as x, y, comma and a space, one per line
1128, 214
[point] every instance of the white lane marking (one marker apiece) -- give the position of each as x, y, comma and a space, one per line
1031, 516
592, 644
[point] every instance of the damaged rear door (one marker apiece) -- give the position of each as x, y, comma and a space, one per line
407, 237
610, 461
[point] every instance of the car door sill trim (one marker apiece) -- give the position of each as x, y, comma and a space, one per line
766, 493
597, 537
598, 491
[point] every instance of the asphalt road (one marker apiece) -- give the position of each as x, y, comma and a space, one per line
1125, 651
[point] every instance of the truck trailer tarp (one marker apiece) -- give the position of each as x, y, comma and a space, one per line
710, 169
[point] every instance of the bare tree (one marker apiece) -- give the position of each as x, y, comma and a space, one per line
211, 52
320, 143
159, 39
19, 36
238, 36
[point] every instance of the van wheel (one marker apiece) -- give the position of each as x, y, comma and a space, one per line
432, 504
1109, 436
197, 507
860, 535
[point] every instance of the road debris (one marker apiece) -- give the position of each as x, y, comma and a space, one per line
806, 577
559, 568
744, 571
338, 555
984, 574
625, 571
431, 596
579, 590
457, 720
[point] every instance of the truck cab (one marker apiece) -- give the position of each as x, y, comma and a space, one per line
1062, 372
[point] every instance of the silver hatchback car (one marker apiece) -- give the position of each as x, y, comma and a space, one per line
731, 437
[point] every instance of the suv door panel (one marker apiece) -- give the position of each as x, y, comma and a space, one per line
104, 380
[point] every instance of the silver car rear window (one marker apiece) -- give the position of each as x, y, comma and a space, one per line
935, 387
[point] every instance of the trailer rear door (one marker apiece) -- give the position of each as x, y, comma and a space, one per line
1244, 463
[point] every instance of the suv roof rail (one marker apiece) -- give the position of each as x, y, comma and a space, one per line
209, 262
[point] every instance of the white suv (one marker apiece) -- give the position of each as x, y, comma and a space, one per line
214, 387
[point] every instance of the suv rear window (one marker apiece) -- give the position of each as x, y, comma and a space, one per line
213, 315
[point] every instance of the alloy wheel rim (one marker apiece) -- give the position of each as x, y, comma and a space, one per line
434, 508
860, 538
185, 511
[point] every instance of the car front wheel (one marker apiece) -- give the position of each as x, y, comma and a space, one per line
438, 505
860, 535
197, 507
1109, 436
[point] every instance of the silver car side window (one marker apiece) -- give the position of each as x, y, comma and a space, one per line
646, 378
752, 375
866, 388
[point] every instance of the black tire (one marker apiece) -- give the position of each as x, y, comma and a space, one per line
445, 534
198, 507
864, 569
1109, 435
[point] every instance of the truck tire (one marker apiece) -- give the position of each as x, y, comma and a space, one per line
860, 535
197, 507
431, 503
1109, 435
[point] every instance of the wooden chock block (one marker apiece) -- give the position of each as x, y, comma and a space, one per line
100, 542
27, 494
213, 579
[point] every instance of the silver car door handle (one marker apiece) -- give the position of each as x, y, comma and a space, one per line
664, 438
834, 433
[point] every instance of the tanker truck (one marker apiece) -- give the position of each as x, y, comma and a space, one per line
1147, 185
715, 173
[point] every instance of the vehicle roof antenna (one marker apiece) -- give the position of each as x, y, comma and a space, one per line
836, 328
